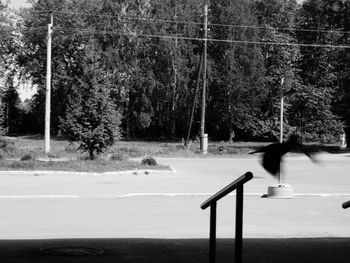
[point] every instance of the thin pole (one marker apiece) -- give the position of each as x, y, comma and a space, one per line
194, 100
212, 234
281, 127
48, 88
239, 225
202, 131
281, 137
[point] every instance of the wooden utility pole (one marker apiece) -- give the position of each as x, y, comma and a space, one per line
204, 137
48, 87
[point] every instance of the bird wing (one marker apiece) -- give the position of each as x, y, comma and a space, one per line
271, 162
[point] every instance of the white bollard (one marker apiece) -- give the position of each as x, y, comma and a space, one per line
343, 141
204, 143
282, 191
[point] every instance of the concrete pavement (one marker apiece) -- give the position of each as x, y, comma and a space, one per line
157, 217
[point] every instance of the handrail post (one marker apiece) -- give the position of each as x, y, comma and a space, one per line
212, 234
239, 224
346, 204
212, 202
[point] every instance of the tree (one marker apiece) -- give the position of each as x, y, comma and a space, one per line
92, 117
276, 18
11, 106
10, 112
235, 73
319, 70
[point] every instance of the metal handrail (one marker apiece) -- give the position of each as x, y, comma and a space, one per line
346, 204
235, 185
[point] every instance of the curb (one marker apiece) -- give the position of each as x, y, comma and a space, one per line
50, 173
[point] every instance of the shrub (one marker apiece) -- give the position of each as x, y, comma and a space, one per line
148, 160
6, 145
27, 157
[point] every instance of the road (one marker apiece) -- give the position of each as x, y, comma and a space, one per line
167, 205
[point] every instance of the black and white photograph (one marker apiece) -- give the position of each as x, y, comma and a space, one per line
174, 131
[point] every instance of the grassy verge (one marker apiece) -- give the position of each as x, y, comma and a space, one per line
27, 153
77, 166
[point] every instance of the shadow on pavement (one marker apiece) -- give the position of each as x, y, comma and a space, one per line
298, 250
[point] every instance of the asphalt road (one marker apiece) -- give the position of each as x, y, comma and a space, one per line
167, 205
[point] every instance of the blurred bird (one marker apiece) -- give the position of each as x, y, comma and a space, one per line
273, 153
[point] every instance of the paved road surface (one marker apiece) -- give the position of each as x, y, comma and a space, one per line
167, 205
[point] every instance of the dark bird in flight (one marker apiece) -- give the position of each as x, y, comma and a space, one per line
273, 153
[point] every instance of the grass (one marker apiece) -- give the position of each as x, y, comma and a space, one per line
78, 165
27, 153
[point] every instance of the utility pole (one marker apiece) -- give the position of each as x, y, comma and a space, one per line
48, 87
282, 106
281, 125
173, 99
204, 136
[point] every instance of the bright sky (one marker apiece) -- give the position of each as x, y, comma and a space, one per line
17, 3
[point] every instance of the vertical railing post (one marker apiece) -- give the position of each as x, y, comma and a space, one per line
212, 234
239, 225
212, 203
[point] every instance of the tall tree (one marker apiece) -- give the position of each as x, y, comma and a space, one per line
9, 101
236, 71
319, 69
276, 21
92, 118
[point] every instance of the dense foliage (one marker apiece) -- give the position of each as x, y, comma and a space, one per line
130, 68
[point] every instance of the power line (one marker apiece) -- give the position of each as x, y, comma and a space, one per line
203, 39
198, 23
122, 17
283, 28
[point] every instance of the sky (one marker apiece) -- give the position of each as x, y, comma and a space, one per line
17, 3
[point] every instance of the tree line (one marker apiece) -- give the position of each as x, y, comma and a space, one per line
132, 68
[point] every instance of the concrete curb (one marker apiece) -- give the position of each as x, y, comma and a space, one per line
144, 172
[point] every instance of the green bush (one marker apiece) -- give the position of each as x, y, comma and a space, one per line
6, 145
27, 157
149, 160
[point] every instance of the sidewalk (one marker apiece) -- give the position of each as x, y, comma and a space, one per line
313, 250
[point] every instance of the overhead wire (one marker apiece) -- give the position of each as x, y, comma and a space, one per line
198, 23
193, 38
202, 39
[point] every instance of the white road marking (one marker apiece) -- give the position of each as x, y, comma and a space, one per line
232, 194
165, 195
36, 196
